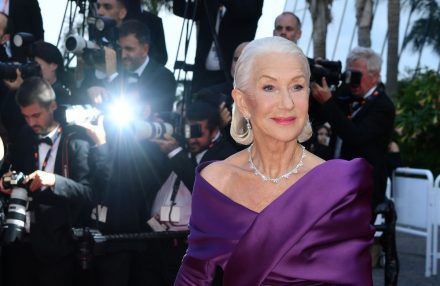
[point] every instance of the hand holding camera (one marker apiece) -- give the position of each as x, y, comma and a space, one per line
14, 84
321, 92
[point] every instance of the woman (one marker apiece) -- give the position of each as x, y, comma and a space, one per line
275, 214
52, 70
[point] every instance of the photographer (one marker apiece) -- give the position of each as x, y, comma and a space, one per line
24, 16
47, 62
175, 193
367, 131
56, 159
233, 22
122, 10
156, 83
52, 69
128, 172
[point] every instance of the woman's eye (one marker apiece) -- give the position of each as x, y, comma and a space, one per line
268, 87
297, 87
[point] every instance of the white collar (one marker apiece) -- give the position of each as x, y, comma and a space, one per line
52, 134
140, 69
370, 91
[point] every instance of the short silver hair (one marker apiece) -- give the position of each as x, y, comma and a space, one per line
243, 75
374, 61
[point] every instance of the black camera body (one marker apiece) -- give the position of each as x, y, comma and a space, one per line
28, 69
103, 32
332, 71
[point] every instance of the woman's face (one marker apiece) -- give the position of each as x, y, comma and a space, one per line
277, 99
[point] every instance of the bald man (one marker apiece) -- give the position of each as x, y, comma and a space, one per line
288, 25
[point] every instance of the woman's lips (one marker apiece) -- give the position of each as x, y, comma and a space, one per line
284, 120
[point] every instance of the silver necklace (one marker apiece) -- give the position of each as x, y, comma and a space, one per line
277, 179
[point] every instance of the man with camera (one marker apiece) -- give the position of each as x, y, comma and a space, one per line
122, 10
128, 171
156, 83
222, 26
367, 130
55, 157
172, 206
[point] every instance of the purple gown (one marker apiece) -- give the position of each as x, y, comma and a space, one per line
317, 232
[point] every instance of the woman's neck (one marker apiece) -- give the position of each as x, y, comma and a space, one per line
274, 159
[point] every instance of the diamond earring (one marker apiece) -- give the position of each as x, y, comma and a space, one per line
248, 124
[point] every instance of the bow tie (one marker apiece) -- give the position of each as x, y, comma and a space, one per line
46, 140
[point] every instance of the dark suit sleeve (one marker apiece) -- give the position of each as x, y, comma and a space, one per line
184, 168
244, 9
164, 85
179, 9
77, 186
377, 122
36, 20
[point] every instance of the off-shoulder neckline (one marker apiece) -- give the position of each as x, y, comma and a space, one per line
284, 193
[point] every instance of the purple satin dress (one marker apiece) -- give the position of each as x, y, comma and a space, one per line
317, 232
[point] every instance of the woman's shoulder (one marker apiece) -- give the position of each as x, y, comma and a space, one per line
219, 173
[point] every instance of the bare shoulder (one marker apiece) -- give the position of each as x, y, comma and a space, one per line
219, 174
311, 161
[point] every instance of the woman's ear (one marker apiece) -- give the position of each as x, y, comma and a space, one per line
240, 102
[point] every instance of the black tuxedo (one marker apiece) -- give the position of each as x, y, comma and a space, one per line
366, 135
128, 174
156, 85
25, 16
56, 210
184, 167
238, 25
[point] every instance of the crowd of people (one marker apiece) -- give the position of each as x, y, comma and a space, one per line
240, 166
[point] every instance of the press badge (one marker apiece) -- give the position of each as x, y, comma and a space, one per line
165, 213
102, 213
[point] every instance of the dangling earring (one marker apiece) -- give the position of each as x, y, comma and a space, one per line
248, 124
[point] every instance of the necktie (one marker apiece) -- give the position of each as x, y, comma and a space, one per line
46, 140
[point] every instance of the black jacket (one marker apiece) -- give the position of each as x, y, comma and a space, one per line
156, 85
366, 135
184, 167
25, 16
239, 24
127, 175
58, 209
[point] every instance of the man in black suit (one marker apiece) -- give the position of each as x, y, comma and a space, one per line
156, 84
122, 10
366, 132
24, 16
128, 172
56, 159
237, 23
174, 198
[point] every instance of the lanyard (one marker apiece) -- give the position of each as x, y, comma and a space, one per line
46, 158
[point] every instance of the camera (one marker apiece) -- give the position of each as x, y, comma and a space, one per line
8, 70
15, 220
332, 71
104, 33
89, 51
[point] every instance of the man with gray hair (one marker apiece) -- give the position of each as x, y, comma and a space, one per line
287, 25
367, 130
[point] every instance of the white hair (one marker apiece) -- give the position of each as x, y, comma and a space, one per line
374, 62
243, 76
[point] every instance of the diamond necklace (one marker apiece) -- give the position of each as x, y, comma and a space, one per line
277, 179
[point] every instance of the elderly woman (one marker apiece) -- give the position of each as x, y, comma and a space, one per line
275, 214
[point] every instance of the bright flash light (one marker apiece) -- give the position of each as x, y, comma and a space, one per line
121, 112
